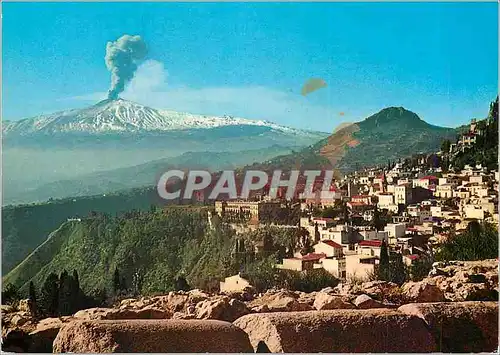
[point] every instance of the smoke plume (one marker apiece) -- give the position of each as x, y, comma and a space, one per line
122, 57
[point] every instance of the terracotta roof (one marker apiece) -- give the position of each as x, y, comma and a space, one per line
370, 243
313, 256
332, 244
429, 177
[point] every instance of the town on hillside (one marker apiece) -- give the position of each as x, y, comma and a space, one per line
406, 209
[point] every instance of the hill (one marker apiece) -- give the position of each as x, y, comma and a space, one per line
390, 134
24, 227
150, 249
485, 150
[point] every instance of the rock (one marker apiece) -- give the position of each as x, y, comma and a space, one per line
422, 291
45, 333
349, 289
475, 292
221, 309
329, 290
151, 336
180, 315
324, 301
377, 289
260, 309
338, 331
16, 340
19, 319
283, 301
195, 296
477, 278
366, 302
176, 302
148, 312
24, 306
7, 309
460, 326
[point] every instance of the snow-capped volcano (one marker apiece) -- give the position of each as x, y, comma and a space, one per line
120, 116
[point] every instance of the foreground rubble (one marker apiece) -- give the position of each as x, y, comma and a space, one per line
447, 282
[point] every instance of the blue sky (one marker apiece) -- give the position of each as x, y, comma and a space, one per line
439, 60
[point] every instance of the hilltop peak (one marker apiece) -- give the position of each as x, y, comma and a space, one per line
394, 116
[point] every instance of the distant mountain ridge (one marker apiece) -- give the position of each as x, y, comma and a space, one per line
120, 116
389, 134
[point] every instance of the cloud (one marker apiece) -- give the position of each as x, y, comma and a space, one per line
149, 87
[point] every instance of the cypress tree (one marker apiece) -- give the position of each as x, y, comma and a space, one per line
76, 296
32, 299
65, 294
116, 282
49, 296
383, 267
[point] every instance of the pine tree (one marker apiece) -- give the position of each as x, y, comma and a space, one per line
32, 299
49, 296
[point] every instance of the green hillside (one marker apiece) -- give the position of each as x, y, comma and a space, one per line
24, 227
150, 249
390, 134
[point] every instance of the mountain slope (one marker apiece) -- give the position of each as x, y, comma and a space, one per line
122, 116
24, 227
141, 175
390, 134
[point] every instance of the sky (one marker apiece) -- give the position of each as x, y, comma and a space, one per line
251, 60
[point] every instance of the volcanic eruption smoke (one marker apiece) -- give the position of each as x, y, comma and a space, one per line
122, 57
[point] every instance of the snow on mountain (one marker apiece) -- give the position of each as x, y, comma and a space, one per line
120, 116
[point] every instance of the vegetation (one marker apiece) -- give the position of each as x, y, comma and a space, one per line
24, 227
391, 267
479, 241
485, 150
155, 251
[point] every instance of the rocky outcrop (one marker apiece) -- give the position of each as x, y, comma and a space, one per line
422, 291
343, 331
366, 302
282, 301
459, 327
325, 301
222, 308
466, 280
46, 331
147, 312
151, 336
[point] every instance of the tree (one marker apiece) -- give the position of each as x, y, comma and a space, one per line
317, 235
49, 296
76, 293
479, 241
377, 220
65, 304
420, 269
32, 299
398, 270
117, 287
181, 284
445, 146
10, 294
383, 266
